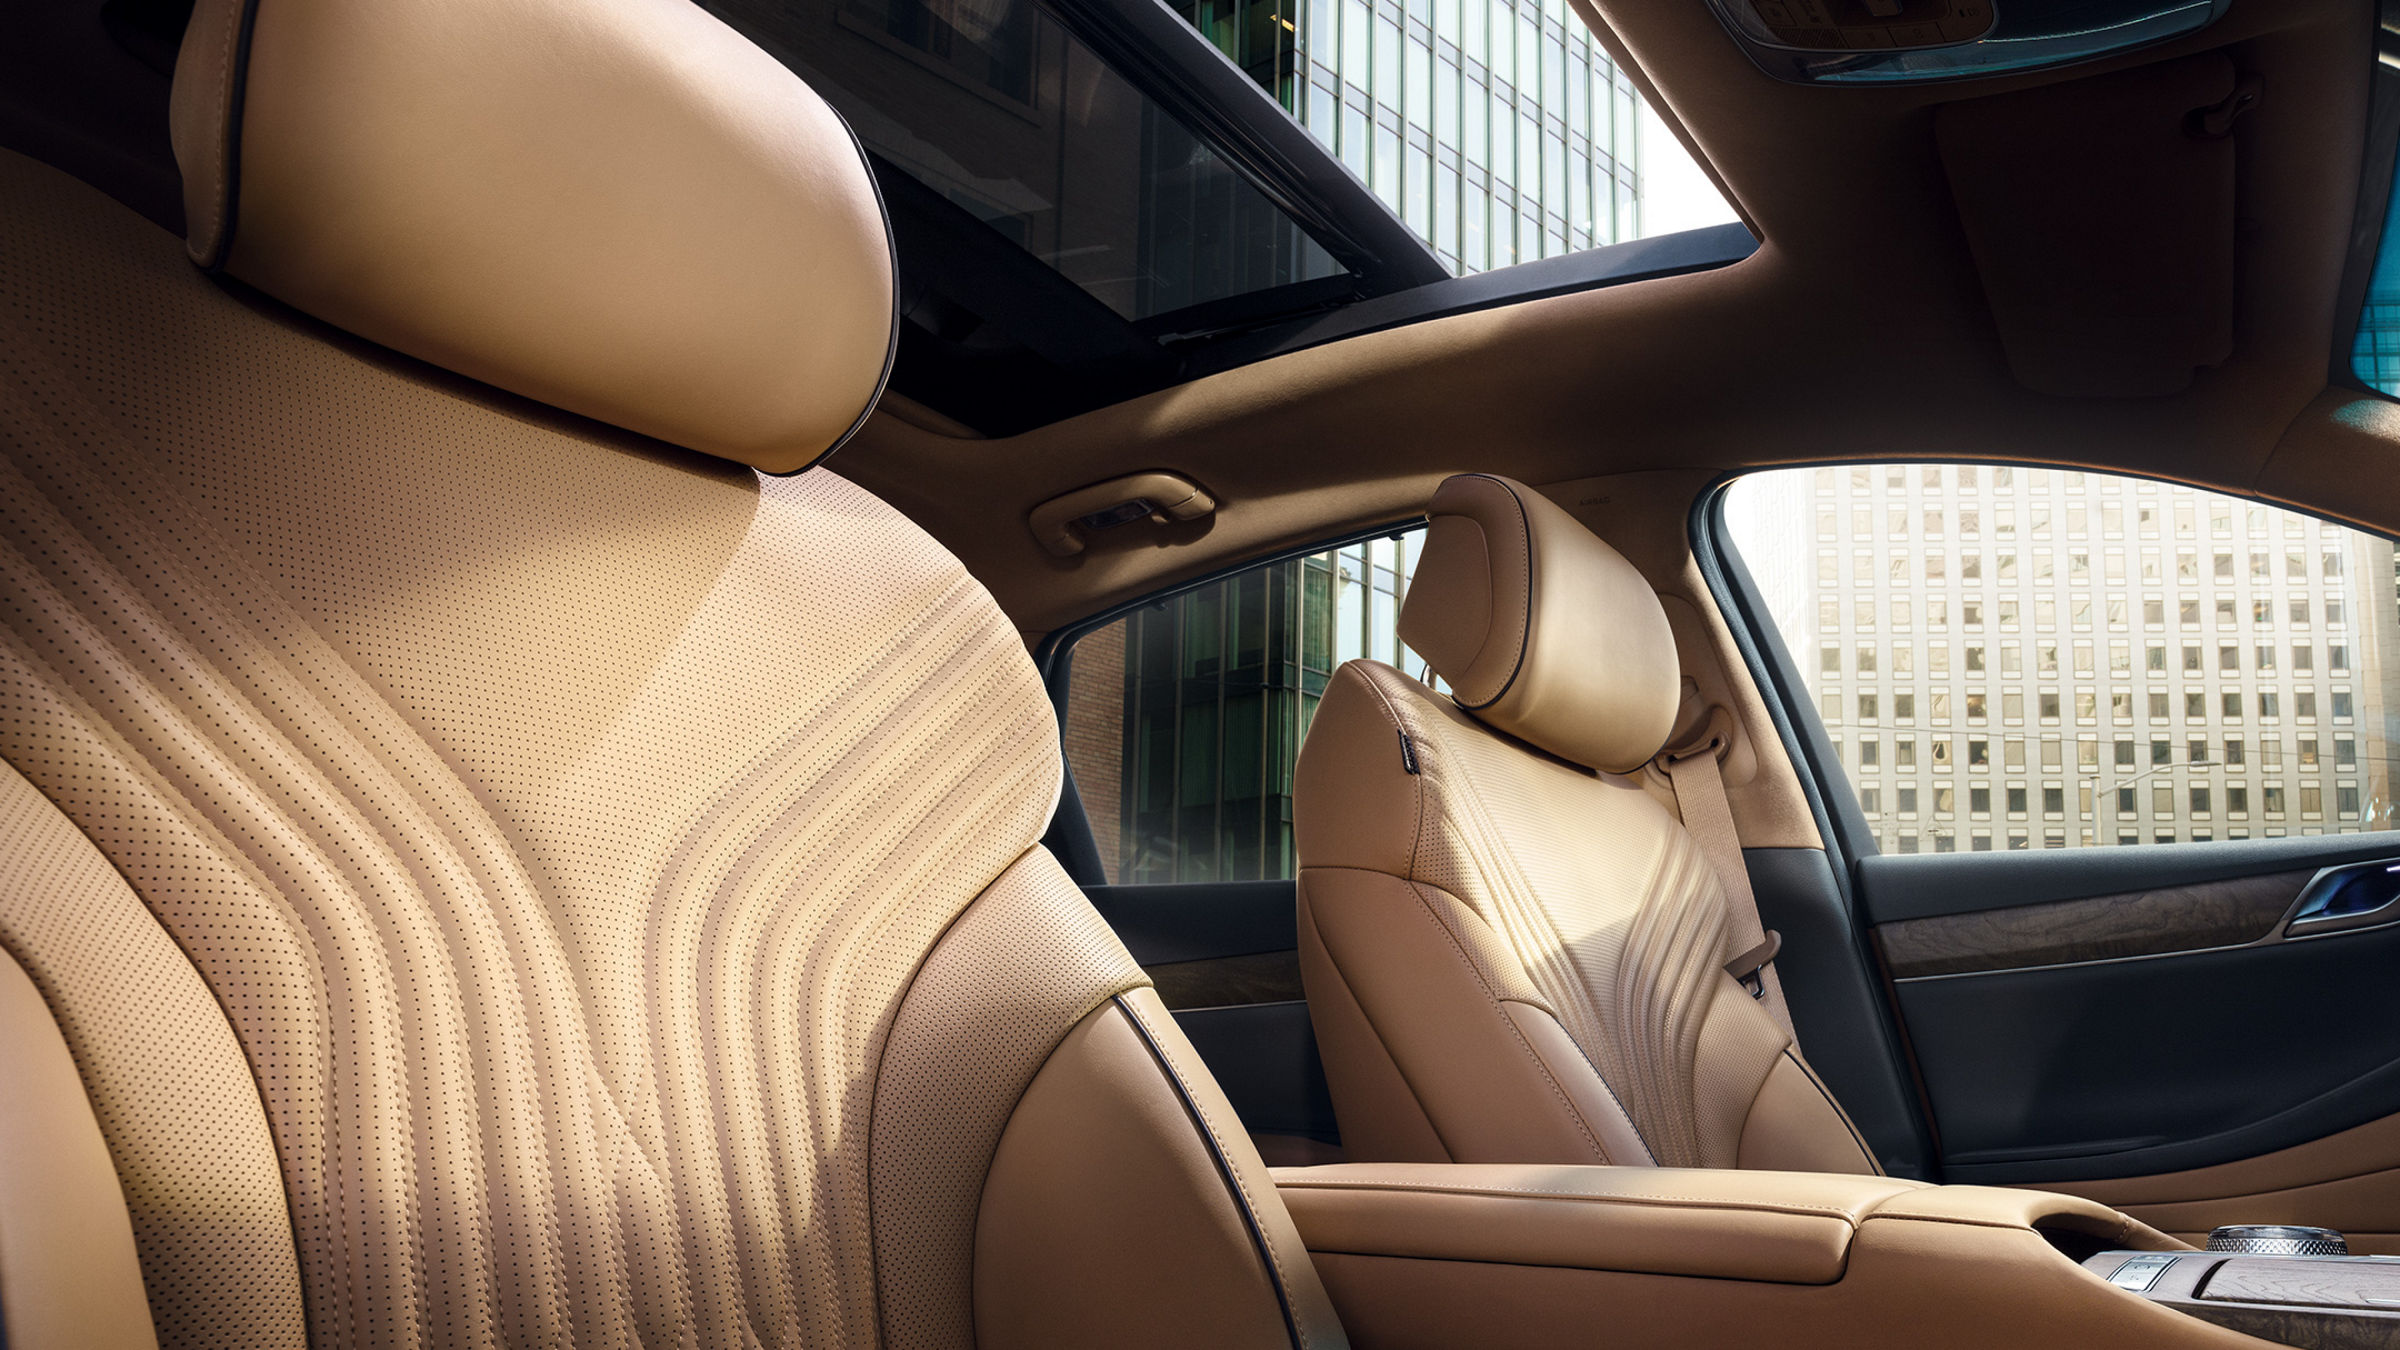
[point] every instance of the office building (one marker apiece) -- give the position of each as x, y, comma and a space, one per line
1499, 130
2013, 658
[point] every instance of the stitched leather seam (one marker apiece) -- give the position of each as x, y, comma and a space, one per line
233, 71
222, 143
1224, 1161
1558, 1093
1348, 992
1960, 1219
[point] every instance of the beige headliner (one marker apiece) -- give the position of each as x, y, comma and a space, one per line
1858, 330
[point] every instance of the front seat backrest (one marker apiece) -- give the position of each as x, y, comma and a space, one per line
479, 876
1513, 951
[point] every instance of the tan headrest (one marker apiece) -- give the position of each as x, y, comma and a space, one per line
1541, 630
620, 207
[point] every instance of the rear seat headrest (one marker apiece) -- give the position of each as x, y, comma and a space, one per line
1541, 630
620, 207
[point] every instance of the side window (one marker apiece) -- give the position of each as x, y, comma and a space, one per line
2014, 657
1183, 719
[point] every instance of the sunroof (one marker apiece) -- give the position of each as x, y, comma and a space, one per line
1091, 202
1007, 115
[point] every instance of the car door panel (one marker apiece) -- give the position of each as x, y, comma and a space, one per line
2349, 1181
2043, 714
2085, 1037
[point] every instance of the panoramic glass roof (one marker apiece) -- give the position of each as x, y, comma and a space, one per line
1090, 201
1004, 113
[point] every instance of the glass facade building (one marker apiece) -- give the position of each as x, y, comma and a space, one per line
2375, 351
1499, 130
1184, 718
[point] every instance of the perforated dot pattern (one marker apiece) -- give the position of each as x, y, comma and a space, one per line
556, 822
1012, 977
166, 1079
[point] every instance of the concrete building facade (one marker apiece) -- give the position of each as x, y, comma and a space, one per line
2014, 657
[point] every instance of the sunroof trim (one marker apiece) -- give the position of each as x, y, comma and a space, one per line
1685, 251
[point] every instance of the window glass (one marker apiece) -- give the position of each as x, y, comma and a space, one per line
1183, 719
1001, 110
2375, 351
1516, 88
2265, 700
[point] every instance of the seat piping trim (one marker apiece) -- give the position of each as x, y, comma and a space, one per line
1216, 1154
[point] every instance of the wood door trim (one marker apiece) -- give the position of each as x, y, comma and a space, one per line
2199, 917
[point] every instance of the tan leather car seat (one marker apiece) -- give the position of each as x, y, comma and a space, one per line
1513, 951
478, 875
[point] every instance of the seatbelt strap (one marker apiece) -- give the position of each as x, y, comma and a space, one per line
1691, 768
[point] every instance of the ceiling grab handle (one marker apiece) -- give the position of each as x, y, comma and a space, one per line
1065, 525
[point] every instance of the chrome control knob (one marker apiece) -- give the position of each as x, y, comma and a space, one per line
2277, 1239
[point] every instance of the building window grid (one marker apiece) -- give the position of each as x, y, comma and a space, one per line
2275, 630
1498, 130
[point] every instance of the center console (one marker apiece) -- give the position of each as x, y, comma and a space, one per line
2312, 1301
1420, 1255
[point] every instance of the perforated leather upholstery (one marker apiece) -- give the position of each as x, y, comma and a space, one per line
502, 881
1511, 956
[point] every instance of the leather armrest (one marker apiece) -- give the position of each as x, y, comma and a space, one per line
1527, 1256
1786, 1227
